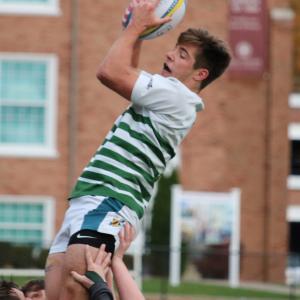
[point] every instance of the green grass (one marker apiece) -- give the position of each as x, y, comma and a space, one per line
154, 286
158, 286
19, 280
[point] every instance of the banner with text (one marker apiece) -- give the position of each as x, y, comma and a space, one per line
248, 37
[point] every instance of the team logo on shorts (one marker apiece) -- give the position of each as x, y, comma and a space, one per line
116, 222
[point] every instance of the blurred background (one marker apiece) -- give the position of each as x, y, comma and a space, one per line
54, 114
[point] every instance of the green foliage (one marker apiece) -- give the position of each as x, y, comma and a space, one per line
21, 256
160, 230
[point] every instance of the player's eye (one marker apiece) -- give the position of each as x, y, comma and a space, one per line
182, 54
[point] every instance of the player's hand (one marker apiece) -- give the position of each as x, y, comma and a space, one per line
82, 279
14, 292
143, 16
126, 236
100, 265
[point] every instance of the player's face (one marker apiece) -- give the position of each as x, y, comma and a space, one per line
179, 62
36, 295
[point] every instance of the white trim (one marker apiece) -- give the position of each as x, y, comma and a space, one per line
22, 272
293, 182
293, 213
27, 151
48, 218
294, 131
52, 8
49, 149
234, 257
176, 236
294, 100
231, 198
282, 14
19, 226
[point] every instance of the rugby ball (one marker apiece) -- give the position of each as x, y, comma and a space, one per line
166, 8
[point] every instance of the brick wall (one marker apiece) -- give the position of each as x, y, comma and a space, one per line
238, 141
296, 6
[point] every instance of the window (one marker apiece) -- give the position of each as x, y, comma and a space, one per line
293, 219
28, 105
25, 219
295, 157
294, 100
38, 7
294, 136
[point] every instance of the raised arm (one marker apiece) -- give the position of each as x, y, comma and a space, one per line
118, 71
127, 287
136, 54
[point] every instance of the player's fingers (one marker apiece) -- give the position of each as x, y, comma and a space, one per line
131, 233
134, 3
100, 255
106, 260
88, 256
156, 2
82, 279
121, 233
164, 20
127, 231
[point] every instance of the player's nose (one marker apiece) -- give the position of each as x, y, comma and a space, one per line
170, 55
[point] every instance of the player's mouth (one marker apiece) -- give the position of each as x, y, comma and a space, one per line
166, 68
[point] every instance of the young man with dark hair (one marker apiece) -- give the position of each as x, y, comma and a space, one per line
10, 291
117, 184
35, 290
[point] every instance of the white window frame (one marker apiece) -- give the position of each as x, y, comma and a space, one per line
293, 181
48, 218
49, 149
52, 8
293, 213
294, 100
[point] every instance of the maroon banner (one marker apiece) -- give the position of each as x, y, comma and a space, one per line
248, 37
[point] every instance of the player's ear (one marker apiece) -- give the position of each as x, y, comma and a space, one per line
201, 74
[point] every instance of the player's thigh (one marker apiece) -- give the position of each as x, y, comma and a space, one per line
53, 275
75, 261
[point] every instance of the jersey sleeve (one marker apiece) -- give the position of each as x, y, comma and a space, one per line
100, 290
157, 93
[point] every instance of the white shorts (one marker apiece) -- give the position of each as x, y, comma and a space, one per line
102, 214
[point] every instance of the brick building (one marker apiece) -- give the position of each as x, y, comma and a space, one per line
54, 114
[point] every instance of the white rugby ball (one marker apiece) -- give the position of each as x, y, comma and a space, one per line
166, 8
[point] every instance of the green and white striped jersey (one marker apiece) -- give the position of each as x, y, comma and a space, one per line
142, 140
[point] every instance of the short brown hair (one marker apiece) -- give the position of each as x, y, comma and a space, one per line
213, 55
33, 286
6, 290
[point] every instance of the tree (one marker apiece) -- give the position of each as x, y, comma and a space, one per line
160, 229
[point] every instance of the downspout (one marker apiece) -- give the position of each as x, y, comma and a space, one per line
73, 90
268, 149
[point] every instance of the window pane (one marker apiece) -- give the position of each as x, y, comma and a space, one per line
14, 218
295, 157
23, 81
22, 125
21, 213
21, 236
